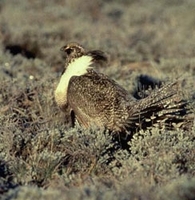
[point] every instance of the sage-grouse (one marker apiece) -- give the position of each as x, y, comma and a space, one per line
96, 100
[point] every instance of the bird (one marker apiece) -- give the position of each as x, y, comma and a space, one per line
94, 99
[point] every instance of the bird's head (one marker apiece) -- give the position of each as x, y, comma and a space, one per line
73, 50
78, 57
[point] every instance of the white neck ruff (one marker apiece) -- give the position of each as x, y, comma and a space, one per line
77, 67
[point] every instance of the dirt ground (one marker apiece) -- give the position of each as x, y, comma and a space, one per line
41, 156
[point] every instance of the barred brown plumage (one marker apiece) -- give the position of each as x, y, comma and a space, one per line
95, 99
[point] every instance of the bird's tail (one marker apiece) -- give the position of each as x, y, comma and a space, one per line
163, 107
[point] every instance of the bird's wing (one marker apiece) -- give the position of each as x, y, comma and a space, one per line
97, 100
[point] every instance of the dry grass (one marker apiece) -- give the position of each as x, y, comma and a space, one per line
41, 156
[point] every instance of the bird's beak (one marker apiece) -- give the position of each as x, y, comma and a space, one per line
63, 48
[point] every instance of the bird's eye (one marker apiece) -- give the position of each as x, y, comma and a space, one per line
68, 51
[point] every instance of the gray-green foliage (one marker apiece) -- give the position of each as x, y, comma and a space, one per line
41, 157
164, 154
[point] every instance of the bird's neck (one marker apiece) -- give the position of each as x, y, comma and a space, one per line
75, 67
